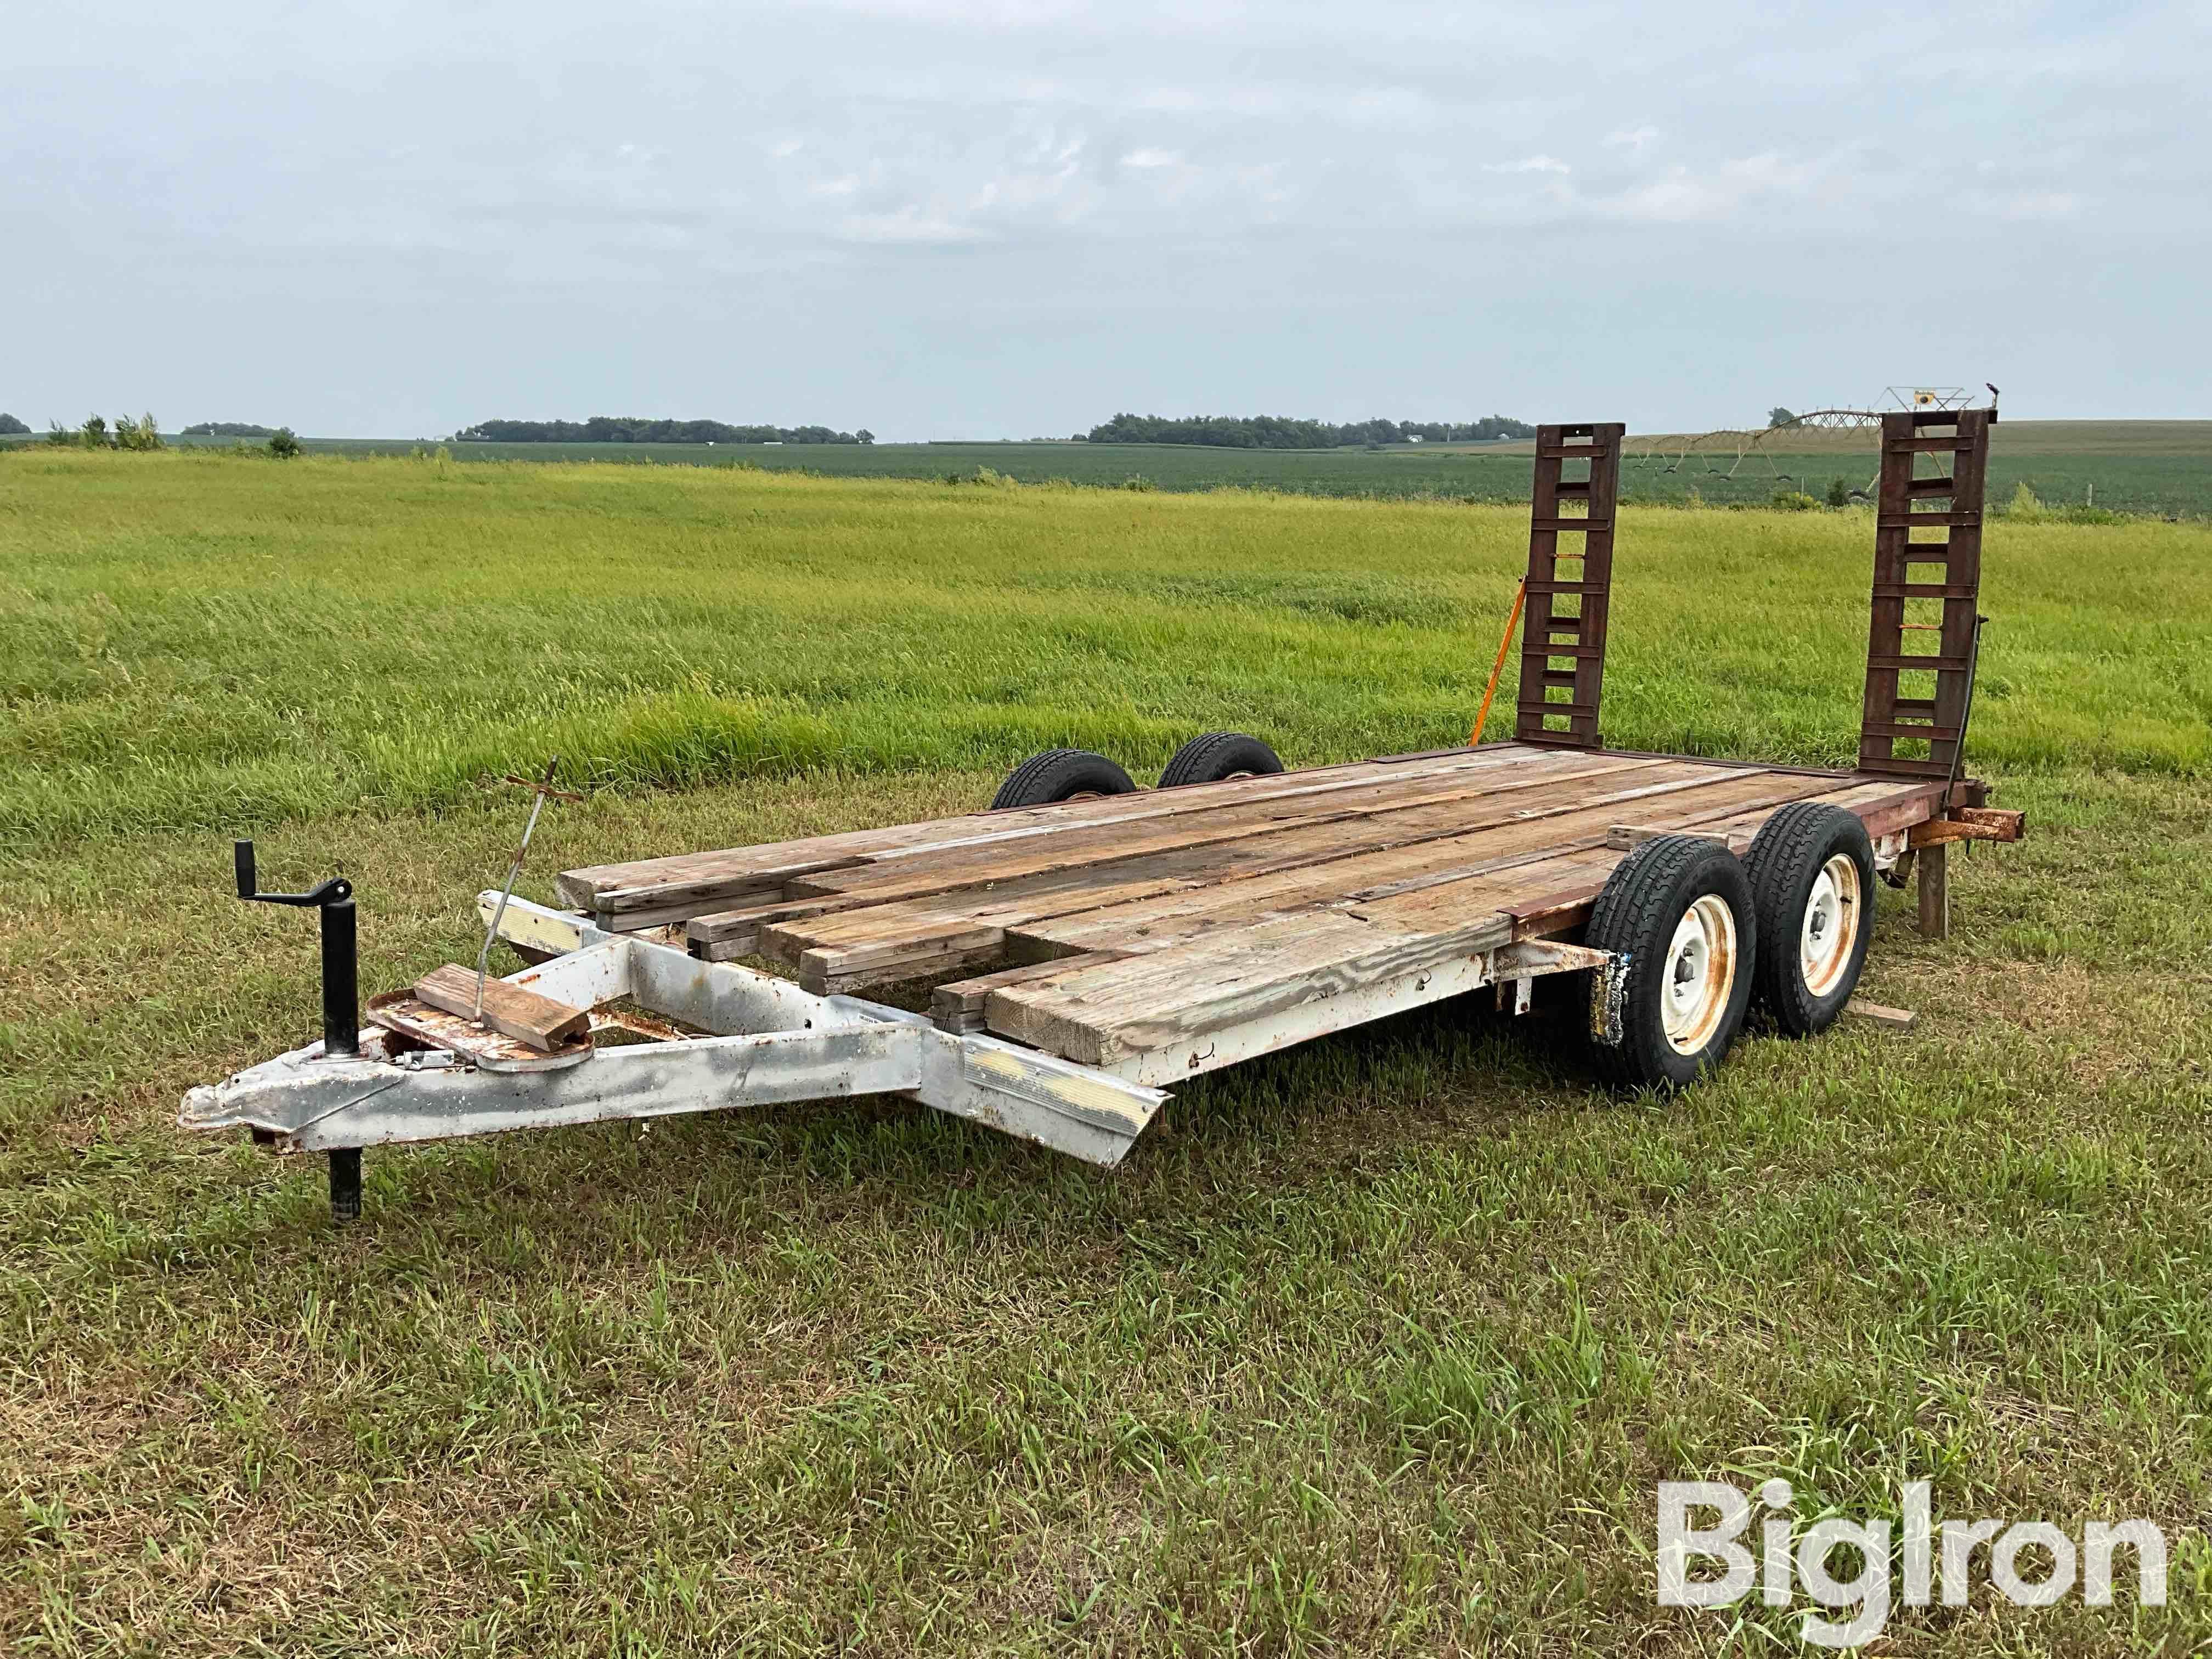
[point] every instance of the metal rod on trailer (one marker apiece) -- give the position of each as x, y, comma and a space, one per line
1505, 645
540, 789
1966, 713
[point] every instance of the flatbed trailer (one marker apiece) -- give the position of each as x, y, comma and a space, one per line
1089, 944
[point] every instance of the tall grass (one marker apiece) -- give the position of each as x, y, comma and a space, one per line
197, 640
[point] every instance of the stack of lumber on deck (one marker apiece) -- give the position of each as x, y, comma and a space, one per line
1101, 929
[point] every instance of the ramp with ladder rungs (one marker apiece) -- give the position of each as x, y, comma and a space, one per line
1563, 645
1927, 585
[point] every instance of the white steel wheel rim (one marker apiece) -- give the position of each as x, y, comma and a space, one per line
1700, 973
1830, 929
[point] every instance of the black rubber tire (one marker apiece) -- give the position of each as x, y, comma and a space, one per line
1059, 774
1636, 915
1219, 754
1786, 857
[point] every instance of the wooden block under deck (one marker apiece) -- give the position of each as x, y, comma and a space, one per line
525, 1015
1935, 891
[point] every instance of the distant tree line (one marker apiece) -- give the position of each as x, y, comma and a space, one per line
143, 432
627, 429
1279, 432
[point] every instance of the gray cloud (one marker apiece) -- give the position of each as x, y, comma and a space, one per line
995, 219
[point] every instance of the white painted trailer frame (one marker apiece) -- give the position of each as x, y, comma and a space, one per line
770, 1042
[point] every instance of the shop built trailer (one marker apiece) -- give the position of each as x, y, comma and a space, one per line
1087, 945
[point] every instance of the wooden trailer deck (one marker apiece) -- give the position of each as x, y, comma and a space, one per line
1133, 932
1166, 933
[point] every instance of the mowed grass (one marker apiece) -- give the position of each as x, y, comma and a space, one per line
1379, 1346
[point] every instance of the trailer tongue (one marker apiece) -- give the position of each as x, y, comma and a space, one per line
752, 1040
1092, 944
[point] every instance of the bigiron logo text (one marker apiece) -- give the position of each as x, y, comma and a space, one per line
1702, 1525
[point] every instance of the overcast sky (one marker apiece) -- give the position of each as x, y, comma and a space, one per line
938, 219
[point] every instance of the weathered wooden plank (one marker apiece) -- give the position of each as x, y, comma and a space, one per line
1738, 830
930, 943
1367, 879
1157, 1001
697, 879
1554, 898
952, 958
524, 1015
1281, 872
725, 935
1716, 798
958, 1006
1626, 837
1254, 850
969, 866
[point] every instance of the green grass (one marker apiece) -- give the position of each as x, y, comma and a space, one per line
199, 642
2162, 468
1379, 1346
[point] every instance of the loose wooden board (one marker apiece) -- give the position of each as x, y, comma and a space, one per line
522, 1014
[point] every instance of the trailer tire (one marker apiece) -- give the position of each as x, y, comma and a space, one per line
1059, 774
1678, 910
1220, 756
1812, 889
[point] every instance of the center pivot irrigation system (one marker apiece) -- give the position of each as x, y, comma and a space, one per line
1705, 451
1085, 944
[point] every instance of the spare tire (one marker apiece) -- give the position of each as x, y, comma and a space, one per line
1218, 755
1060, 775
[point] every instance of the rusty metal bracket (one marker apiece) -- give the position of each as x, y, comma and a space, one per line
1608, 990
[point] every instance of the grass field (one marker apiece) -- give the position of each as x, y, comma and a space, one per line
2157, 467
1379, 1346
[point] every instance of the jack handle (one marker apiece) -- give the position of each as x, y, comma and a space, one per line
336, 890
332, 902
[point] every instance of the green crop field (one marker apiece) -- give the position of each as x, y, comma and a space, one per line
2157, 467
1381, 1346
